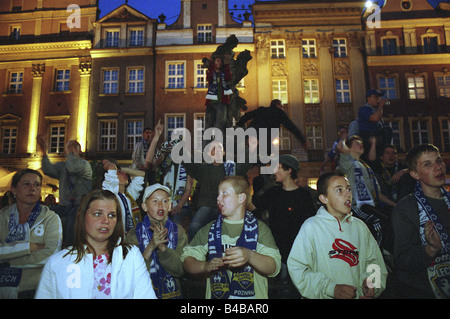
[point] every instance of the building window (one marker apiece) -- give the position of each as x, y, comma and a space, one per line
309, 48
110, 81
277, 49
175, 75
284, 139
15, 82
279, 91
136, 37
314, 136
389, 46
57, 138
135, 80
112, 38
200, 75
173, 121
199, 128
133, 133
343, 91
340, 48
445, 129
311, 91
204, 33
416, 87
396, 140
108, 135
9, 140
443, 85
430, 44
388, 86
420, 132
15, 32
62, 79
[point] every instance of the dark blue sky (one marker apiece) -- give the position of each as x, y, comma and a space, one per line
170, 8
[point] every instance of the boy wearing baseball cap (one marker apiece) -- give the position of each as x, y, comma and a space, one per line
161, 242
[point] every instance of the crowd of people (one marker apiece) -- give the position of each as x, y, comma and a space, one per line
373, 228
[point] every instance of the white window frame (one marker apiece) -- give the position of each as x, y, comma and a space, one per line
445, 133
309, 49
58, 137
110, 136
416, 92
280, 90
340, 49
386, 88
136, 80
109, 81
136, 37
133, 137
200, 81
310, 94
9, 141
278, 49
443, 89
342, 91
112, 41
18, 84
198, 131
179, 65
204, 33
420, 130
314, 136
168, 128
64, 81
397, 131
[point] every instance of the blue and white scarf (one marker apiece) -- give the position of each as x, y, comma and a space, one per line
10, 276
242, 281
439, 270
127, 212
21, 232
364, 195
164, 284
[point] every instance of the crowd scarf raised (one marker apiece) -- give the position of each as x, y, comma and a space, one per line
9, 276
364, 196
439, 270
242, 283
129, 221
164, 284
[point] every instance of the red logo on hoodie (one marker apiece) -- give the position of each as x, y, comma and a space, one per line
345, 251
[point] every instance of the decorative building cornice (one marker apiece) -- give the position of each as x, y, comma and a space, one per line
52, 46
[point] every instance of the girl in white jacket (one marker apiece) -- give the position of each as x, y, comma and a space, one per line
334, 254
99, 265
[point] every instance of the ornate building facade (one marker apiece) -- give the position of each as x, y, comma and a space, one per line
44, 76
408, 57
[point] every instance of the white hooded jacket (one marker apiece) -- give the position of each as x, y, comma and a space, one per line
327, 252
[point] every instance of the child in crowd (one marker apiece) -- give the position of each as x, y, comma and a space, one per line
99, 265
161, 242
421, 223
334, 254
237, 251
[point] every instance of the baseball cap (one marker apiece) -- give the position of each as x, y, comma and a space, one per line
290, 161
149, 190
374, 92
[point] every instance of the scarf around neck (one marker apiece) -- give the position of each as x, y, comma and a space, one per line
164, 284
242, 281
21, 232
